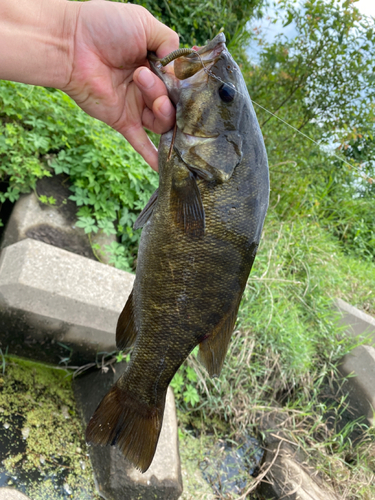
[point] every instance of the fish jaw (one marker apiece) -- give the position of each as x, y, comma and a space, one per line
196, 65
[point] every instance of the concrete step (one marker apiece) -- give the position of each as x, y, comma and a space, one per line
360, 362
12, 494
51, 298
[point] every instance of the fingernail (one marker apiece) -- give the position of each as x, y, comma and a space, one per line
146, 78
166, 108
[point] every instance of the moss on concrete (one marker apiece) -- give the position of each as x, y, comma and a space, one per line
38, 419
192, 452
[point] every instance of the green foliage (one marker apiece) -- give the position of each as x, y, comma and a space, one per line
47, 133
197, 21
184, 384
321, 82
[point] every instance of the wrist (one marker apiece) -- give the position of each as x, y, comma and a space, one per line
37, 41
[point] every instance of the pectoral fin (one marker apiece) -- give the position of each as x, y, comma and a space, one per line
126, 330
187, 204
146, 213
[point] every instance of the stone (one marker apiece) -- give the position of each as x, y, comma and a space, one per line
290, 476
360, 364
56, 304
289, 479
115, 477
357, 322
53, 224
12, 494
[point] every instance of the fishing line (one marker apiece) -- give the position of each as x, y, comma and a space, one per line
361, 174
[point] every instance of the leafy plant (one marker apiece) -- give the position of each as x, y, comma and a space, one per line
47, 133
184, 384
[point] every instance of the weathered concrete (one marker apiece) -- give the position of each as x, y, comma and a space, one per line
52, 224
357, 322
50, 296
360, 363
289, 479
12, 494
290, 476
115, 477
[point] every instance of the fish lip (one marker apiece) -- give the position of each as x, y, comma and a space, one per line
216, 45
212, 50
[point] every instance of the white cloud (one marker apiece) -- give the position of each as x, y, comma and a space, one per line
367, 7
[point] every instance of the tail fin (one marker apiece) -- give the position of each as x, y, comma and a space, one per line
131, 425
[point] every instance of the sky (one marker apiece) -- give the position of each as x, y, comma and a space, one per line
366, 7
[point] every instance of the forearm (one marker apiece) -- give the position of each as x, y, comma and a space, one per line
37, 41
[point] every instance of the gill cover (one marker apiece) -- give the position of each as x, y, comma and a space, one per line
212, 158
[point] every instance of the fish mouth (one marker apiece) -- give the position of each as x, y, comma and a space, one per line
193, 68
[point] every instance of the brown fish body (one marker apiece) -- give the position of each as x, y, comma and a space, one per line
198, 244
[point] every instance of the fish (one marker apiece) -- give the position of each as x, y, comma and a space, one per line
201, 231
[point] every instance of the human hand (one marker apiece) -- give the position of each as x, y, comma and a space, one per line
110, 79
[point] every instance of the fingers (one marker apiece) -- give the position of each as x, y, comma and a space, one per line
160, 38
140, 141
154, 93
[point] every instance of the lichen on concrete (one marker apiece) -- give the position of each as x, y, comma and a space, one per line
42, 445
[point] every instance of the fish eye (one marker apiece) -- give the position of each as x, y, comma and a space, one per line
227, 91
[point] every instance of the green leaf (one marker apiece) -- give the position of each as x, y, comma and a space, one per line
191, 395
177, 383
88, 224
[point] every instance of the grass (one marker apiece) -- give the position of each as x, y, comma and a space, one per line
283, 359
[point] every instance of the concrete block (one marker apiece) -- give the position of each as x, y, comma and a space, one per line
289, 479
50, 296
290, 476
115, 477
12, 494
360, 363
357, 322
52, 224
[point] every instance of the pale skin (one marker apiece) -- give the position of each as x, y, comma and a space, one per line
96, 52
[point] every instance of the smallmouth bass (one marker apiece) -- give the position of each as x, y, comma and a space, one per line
201, 231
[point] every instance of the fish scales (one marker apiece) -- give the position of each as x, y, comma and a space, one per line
201, 231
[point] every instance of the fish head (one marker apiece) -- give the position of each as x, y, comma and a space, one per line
210, 94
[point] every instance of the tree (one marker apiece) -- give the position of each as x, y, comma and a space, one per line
321, 82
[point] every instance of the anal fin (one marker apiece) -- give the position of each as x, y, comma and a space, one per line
213, 349
126, 330
187, 204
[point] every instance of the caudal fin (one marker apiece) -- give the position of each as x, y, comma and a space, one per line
131, 425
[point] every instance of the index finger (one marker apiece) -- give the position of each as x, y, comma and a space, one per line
160, 38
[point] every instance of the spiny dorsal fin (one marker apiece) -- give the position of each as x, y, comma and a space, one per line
146, 213
126, 330
186, 202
